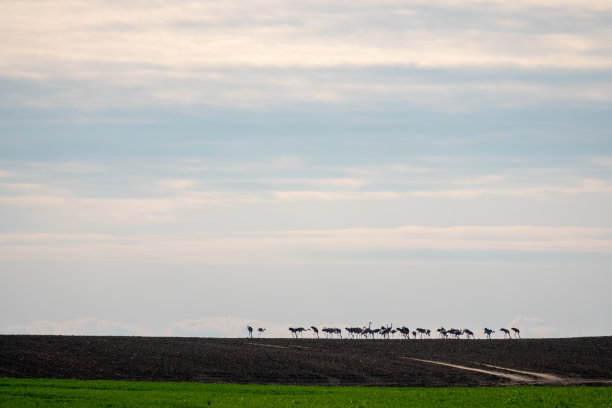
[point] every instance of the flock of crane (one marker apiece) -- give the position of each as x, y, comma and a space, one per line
386, 332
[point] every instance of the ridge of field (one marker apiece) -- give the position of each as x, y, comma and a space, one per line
584, 360
26, 393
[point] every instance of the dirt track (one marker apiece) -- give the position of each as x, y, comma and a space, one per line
310, 361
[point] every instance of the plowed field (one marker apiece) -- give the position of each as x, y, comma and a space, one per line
426, 363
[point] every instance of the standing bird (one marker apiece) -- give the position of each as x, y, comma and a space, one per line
384, 331
517, 332
260, 330
455, 332
250, 329
405, 332
506, 332
315, 331
488, 332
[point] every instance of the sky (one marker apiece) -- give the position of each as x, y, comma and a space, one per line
189, 168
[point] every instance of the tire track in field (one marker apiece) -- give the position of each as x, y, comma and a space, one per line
513, 377
519, 376
546, 377
554, 379
277, 346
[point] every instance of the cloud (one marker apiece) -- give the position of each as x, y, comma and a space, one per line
533, 327
305, 246
334, 195
602, 161
77, 327
263, 88
15, 191
277, 34
66, 167
270, 53
98, 211
188, 195
348, 183
542, 192
178, 184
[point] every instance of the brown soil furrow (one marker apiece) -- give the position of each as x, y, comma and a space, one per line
269, 345
406, 363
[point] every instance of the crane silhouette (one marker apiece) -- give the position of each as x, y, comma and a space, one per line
250, 329
315, 331
384, 331
388, 332
404, 331
261, 330
455, 332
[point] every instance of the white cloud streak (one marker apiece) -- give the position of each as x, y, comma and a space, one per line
182, 194
71, 201
542, 192
304, 247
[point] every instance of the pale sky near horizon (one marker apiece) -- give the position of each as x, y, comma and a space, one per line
189, 168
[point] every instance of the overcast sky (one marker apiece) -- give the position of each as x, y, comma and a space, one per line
188, 168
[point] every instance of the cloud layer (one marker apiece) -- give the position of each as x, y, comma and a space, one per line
189, 35
301, 247
272, 162
272, 53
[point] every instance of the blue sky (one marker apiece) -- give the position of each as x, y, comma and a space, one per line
192, 168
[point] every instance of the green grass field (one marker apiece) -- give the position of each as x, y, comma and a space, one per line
16, 393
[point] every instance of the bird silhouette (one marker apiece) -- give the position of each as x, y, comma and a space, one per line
315, 331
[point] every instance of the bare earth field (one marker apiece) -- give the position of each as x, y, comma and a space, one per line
424, 363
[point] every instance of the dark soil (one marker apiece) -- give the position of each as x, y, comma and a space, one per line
303, 361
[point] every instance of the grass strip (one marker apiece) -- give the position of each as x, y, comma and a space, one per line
17, 393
